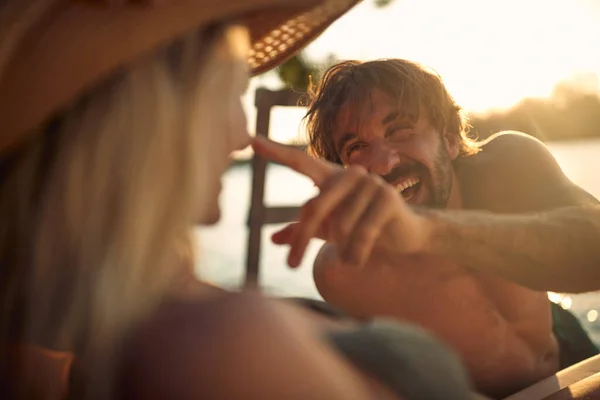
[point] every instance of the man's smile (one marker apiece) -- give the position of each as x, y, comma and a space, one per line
408, 187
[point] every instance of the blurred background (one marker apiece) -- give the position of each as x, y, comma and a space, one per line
527, 65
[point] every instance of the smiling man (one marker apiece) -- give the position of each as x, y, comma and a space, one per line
395, 119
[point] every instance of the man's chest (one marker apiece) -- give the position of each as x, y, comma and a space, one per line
437, 288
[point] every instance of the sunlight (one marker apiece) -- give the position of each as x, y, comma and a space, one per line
566, 302
537, 43
555, 297
491, 54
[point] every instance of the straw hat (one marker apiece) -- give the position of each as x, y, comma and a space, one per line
70, 45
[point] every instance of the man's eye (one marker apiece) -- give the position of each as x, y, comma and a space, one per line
354, 147
399, 130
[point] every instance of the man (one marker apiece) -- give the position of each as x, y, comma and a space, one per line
395, 119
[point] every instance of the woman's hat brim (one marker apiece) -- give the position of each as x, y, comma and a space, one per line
82, 42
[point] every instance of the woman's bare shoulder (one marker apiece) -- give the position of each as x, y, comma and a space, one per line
234, 345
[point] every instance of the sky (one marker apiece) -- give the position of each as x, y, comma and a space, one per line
490, 54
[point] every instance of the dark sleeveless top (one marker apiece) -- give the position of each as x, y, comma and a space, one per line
407, 359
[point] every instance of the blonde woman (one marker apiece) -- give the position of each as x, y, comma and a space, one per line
117, 123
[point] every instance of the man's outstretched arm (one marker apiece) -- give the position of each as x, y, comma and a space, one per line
551, 241
557, 250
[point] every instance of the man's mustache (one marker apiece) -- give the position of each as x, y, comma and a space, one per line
401, 170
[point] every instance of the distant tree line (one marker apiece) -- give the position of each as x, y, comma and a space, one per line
570, 113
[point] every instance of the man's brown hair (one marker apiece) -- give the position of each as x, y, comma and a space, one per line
417, 88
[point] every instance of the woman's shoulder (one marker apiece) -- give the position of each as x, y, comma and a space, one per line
188, 324
205, 312
233, 345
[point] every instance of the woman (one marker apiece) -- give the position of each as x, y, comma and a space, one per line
118, 121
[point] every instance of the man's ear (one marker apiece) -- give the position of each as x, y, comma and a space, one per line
451, 141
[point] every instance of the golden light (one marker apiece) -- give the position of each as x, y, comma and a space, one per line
592, 315
566, 303
510, 49
555, 297
490, 53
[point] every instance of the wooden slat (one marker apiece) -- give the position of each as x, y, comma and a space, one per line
266, 99
585, 389
561, 380
280, 215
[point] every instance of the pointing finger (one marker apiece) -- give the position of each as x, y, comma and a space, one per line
317, 170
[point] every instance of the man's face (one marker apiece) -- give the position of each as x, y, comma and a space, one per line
411, 155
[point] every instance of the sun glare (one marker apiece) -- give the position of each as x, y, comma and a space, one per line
491, 54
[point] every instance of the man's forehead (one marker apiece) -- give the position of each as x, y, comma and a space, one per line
353, 112
353, 109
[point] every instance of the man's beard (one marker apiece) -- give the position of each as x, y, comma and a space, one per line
441, 180
438, 182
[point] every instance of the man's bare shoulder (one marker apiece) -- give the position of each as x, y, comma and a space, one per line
513, 144
516, 172
504, 153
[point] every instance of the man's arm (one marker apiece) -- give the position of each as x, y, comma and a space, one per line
556, 248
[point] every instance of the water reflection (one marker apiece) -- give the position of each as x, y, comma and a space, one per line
565, 301
555, 297
585, 307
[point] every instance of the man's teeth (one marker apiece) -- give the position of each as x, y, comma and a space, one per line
408, 183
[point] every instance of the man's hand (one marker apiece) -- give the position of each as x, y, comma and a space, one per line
354, 209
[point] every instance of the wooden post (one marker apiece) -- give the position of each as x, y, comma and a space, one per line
257, 208
260, 215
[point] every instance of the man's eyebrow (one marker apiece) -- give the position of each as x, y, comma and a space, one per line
390, 117
345, 139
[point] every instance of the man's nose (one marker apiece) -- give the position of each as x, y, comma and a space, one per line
383, 159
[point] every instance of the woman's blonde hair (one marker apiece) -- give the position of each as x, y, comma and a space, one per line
92, 208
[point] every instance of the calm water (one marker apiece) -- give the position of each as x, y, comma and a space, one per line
223, 247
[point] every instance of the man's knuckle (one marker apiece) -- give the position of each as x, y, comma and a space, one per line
344, 229
379, 181
368, 233
389, 193
356, 171
309, 208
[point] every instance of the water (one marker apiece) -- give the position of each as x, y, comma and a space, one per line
223, 247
